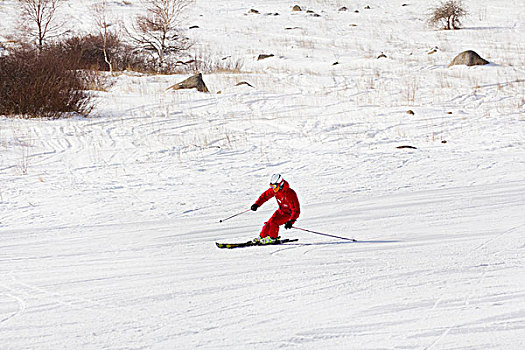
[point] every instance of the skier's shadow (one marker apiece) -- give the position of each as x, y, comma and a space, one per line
341, 242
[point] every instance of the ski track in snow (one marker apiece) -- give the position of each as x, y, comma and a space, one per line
108, 223
469, 296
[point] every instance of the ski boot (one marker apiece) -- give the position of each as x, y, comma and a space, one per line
268, 240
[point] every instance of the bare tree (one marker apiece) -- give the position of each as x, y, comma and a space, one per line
39, 20
101, 16
448, 14
158, 31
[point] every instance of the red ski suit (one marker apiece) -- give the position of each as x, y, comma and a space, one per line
289, 209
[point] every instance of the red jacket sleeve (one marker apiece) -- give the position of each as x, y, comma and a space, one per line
295, 206
264, 197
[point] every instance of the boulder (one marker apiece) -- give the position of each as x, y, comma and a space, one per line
193, 82
433, 51
244, 83
264, 56
468, 58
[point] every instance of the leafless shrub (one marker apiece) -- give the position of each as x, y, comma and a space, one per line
102, 20
448, 14
96, 80
92, 51
158, 32
39, 21
41, 84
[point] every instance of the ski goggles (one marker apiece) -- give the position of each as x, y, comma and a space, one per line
275, 187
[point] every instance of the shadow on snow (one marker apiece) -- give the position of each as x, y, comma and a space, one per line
341, 242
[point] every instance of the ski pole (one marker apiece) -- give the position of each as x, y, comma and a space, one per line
324, 234
228, 218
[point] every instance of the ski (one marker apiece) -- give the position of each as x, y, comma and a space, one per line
250, 243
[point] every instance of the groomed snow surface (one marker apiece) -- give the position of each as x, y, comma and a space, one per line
108, 224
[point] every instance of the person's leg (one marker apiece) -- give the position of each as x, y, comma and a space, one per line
271, 227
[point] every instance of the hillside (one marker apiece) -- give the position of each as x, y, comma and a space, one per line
108, 224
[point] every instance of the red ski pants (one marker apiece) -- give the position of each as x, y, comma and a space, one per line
271, 227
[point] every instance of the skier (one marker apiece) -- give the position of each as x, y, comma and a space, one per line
287, 213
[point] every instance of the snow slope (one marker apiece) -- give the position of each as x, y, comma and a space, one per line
108, 224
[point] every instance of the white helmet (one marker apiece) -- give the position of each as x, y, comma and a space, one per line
276, 182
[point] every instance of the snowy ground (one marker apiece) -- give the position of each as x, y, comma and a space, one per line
108, 224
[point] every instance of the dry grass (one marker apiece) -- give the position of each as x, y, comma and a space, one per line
207, 64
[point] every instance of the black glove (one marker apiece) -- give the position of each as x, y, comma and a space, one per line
254, 207
288, 224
